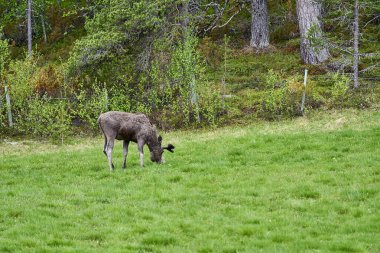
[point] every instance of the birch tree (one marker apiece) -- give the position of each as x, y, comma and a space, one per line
355, 66
29, 21
42, 18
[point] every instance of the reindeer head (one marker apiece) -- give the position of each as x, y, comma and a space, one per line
156, 153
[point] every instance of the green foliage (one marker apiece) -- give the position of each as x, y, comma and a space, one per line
119, 28
314, 36
90, 104
118, 100
19, 78
45, 117
273, 103
211, 52
33, 113
4, 55
153, 57
163, 77
4, 58
211, 105
339, 88
183, 72
272, 79
186, 94
281, 97
92, 50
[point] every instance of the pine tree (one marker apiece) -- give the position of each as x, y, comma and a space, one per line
313, 50
259, 25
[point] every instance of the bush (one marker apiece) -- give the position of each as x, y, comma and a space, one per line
43, 117
48, 80
4, 57
20, 82
46, 117
90, 104
281, 98
339, 89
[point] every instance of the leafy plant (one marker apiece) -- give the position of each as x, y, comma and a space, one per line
272, 79
90, 104
4, 54
339, 88
4, 58
20, 81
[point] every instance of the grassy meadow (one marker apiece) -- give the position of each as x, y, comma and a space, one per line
305, 185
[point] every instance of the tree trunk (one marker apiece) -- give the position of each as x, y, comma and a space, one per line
43, 28
29, 21
184, 19
355, 65
259, 25
313, 50
42, 17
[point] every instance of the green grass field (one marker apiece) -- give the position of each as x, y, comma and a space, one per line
305, 185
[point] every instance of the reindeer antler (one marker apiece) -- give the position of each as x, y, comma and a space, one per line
170, 147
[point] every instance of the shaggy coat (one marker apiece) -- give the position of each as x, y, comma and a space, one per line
130, 127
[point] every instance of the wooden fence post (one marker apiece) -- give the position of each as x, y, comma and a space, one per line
304, 93
8, 100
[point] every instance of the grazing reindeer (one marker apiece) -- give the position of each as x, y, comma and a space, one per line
130, 127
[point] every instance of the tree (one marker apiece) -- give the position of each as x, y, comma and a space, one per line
349, 18
313, 49
29, 20
216, 14
42, 18
259, 25
355, 65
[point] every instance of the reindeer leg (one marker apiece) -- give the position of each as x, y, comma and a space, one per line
125, 153
140, 145
109, 150
105, 145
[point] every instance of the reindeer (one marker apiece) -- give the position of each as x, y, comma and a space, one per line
131, 127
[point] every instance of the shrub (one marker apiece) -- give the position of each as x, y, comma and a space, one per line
281, 98
20, 81
4, 54
46, 117
339, 89
90, 103
4, 57
48, 80
272, 79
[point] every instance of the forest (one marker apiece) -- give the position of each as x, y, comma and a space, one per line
186, 64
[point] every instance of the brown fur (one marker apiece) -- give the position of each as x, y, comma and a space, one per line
130, 127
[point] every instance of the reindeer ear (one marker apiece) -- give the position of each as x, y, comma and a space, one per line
159, 138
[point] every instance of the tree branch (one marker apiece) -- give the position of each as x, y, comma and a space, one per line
229, 20
376, 17
220, 13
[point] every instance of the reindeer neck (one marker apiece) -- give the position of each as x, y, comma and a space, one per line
152, 144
